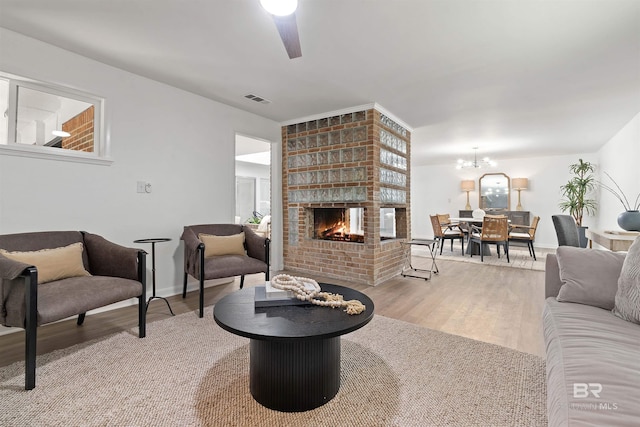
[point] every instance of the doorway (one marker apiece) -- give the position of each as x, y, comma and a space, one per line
253, 182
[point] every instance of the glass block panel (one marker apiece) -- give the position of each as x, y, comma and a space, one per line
360, 134
347, 194
360, 194
323, 177
347, 155
301, 143
347, 175
347, 135
291, 129
334, 137
312, 141
359, 116
323, 123
334, 156
334, 121
334, 175
359, 154
323, 158
291, 144
337, 194
301, 127
312, 159
323, 195
360, 174
347, 118
323, 139
313, 124
392, 125
312, 177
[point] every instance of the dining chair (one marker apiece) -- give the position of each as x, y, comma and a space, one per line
450, 233
525, 233
566, 230
495, 229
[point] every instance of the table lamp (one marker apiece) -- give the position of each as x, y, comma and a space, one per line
468, 186
519, 184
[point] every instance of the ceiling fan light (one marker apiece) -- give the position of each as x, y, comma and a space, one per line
279, 7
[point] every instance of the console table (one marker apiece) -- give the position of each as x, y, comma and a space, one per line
611, 241
516, 217
294, 352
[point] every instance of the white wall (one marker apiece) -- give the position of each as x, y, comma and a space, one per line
620, 159
181, 143
436, 189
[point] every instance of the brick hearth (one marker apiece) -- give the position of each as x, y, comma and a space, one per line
352, 160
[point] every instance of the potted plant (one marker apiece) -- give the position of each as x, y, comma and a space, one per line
629, 219
575, 195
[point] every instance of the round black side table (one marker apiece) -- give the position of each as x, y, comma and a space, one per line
153, 242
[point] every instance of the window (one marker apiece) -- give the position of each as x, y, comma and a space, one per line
45, 121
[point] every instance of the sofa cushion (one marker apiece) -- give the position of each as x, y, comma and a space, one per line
627, 302
222, 245
53, 264
589, 345
589, 276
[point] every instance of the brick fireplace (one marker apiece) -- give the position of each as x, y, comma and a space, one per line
346, 196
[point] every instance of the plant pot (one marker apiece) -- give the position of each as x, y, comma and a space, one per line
629, 220
582, 236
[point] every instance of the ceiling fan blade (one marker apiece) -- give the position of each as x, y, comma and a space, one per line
288, 29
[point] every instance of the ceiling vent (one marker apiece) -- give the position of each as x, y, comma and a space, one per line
257, 98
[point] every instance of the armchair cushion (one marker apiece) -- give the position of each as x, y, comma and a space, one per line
222, 245
52, 264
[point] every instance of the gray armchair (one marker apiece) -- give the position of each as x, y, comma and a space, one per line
116, 273
255, 261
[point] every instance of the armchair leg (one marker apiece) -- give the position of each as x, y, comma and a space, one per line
462, 242
142, 316
184, 285
241, 281
506, 250
481, 253
201, 297
31, 323
81, 318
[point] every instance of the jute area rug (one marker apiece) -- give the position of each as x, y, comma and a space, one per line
190, 372
518, 257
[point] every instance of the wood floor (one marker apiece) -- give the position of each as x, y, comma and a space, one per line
492, 304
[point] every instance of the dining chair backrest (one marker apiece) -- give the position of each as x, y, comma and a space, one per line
444, 219
495, 228
435, 223
534, 227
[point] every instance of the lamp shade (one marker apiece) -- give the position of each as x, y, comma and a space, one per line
468, 185
520, 183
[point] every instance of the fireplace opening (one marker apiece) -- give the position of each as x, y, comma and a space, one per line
391, 223
339, 224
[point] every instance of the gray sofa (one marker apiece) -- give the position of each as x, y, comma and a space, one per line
96, 274
593, 356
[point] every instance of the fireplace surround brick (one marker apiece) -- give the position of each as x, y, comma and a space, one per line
337, 162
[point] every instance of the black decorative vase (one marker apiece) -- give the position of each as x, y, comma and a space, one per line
629, 220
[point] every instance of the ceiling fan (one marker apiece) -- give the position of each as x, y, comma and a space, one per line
283, 12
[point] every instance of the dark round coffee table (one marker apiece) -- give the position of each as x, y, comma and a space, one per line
294, 350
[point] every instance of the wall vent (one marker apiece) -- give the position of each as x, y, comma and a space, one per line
257, 98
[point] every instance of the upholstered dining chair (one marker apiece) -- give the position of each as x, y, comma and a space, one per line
495, 229
449, 233
525, 233
566, 230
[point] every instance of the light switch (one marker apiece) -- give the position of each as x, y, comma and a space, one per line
141, 187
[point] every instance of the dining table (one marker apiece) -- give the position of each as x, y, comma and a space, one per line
473, 249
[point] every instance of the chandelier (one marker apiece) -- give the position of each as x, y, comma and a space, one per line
475, 163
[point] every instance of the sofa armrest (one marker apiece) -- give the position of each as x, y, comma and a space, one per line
552, 282
109, 259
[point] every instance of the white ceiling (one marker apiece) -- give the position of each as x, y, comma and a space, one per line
513, 77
